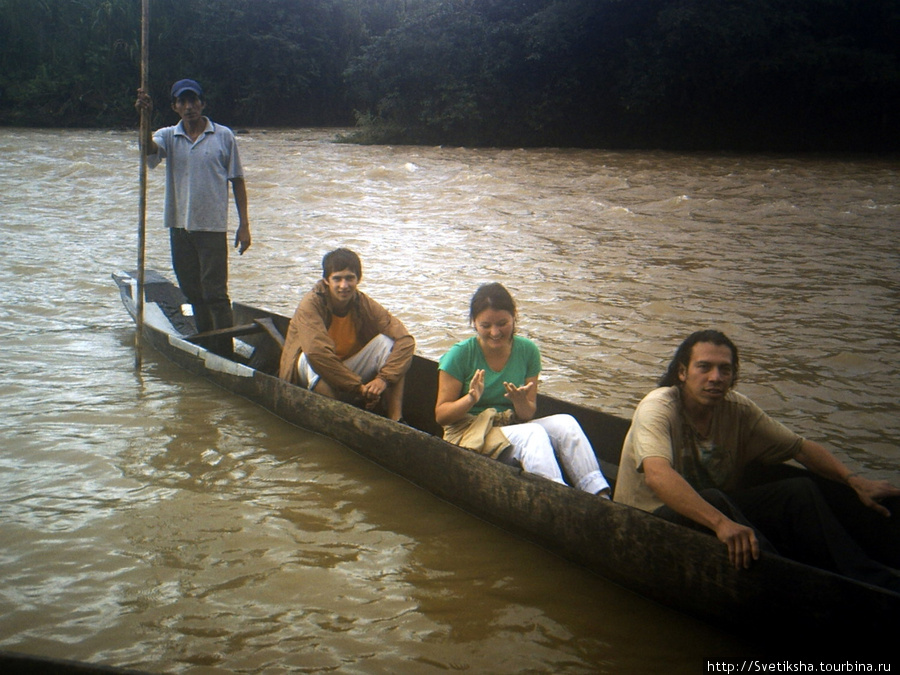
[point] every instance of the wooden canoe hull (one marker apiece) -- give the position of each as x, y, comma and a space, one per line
669, 564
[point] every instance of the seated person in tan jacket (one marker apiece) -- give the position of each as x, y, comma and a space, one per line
343, 344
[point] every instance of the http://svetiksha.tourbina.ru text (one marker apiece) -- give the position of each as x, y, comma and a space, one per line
795, 666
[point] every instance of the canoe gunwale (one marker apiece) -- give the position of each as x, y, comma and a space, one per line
661, 561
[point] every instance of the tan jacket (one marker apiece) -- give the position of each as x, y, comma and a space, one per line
308, 333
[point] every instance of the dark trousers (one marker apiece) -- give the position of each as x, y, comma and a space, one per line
200, 261
792, 518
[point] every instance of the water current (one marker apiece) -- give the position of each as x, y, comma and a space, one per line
151, 521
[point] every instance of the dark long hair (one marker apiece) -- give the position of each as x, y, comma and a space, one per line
491, 296
683, 355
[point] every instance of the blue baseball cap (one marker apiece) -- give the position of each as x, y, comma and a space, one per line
186, 85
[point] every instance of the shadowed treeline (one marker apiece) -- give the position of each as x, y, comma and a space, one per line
681, 74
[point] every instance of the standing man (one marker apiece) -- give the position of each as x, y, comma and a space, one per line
344, 345
201, 159
690, 444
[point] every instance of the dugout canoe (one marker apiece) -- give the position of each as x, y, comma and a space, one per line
776, 601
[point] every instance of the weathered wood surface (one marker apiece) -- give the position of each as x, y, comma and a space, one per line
672, 565
233, 332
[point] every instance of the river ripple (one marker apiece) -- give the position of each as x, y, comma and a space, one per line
152, 521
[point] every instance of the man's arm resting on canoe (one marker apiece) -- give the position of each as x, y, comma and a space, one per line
819, 460
676, 493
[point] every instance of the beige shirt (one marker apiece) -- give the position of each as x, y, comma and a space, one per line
740, 433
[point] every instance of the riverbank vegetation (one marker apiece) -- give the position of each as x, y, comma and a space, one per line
680, 74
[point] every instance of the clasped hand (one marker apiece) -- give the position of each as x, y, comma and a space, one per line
372, 391
143, 101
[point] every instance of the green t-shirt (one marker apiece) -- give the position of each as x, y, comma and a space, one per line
465, 357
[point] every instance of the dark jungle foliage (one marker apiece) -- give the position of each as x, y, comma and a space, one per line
681, 74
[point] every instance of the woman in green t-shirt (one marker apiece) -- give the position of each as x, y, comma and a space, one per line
487, 399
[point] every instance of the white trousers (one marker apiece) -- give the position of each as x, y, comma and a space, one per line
534, 444
366, 362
